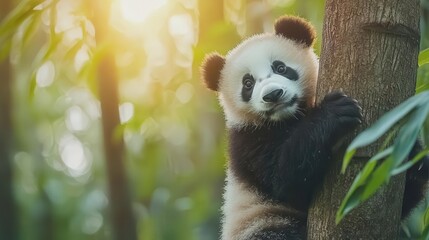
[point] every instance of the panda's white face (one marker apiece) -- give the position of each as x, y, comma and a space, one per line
265, 78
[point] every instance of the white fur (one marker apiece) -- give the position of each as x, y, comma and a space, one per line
246, 213
255, 56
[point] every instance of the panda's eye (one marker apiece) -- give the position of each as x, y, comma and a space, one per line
279, 67
248, 81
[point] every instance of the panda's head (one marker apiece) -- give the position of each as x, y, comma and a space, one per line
268, 77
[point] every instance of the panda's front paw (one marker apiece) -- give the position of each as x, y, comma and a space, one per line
342, 110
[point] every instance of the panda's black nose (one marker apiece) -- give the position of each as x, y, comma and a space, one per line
273, 96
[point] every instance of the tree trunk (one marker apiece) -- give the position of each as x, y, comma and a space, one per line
370, 50
123, 221
8, 216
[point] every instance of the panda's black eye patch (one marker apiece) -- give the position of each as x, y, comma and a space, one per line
248, 84
248, 81
280, 68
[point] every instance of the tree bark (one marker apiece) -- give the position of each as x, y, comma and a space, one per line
369, 50
8, 216
123, 221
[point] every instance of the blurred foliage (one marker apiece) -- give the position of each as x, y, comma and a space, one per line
173, 127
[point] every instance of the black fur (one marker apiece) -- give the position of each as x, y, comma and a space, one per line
417, 179
286, 160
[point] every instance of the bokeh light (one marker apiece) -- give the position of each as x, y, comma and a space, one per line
137, 11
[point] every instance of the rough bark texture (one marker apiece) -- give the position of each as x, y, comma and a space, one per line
8, 221
123, 220
370, 50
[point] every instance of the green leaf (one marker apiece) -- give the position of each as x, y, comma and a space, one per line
380, 127
353, 197
386, 122
373, 176
377, 178
407, 135
404, 167
382, 154
364, 186
347, 158
424, 57
425, 234
376, 157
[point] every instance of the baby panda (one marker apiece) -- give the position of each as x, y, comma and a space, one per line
280, 142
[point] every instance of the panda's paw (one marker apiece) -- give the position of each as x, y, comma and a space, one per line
343, 111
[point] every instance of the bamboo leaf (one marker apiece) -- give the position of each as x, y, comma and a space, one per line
353, 196
404, 167
380, 127
386, 122
407, 135
424, 57
377, 178
372, 177
425, 234
364, 186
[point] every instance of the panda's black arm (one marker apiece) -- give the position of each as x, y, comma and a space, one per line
416, 181
306, 152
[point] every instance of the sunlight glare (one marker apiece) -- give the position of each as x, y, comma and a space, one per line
126, 112
138, 10
81, 58
45, 74
73, 155
76, 119
185, 92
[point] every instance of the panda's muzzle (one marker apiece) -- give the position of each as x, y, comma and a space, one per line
281, 105
273, 96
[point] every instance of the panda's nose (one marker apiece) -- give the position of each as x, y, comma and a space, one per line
273, 96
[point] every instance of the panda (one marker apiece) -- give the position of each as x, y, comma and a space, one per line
280, 141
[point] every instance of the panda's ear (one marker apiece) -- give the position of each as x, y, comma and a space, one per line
210, 70
295, 28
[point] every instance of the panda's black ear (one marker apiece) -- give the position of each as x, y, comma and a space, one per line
210, 70
295, 28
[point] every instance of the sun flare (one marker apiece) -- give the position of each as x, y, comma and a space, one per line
137, 11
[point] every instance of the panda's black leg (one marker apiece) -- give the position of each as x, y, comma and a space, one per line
416, 181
